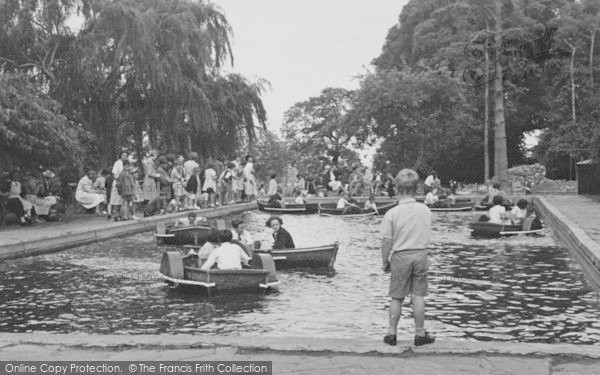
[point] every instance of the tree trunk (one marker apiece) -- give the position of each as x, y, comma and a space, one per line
486, 119
591, 64
572, 78
500, 152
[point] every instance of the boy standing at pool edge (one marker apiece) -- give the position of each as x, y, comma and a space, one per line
406, 232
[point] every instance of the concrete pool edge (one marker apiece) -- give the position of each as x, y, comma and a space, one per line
580, 244
315, 346
63, 240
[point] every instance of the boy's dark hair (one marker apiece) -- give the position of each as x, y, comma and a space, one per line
273, 175
236, 223
522, 203
192, 214
226, 235
125, 162
497, 200
496, 185
274, 218
298, 192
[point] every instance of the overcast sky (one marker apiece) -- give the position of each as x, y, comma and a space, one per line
302, 47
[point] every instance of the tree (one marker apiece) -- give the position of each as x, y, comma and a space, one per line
317, 127
33, 131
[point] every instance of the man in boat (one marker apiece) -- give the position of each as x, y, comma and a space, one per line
241, 234
283, 239
191, 219
498, 213
406, 232
228, 256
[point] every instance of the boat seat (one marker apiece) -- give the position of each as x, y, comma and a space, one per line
172, 264
531, 223
265, 262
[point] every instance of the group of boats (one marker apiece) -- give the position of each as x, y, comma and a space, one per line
261, 276
265, 263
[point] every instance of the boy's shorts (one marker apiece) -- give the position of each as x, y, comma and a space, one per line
408, 273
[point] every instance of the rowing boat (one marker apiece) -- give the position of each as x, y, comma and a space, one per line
450, 209
290, 208
191, 234
330, 209
307, 257
491, 230
251, 280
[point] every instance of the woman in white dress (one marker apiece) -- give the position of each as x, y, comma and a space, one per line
115, 198
86, 195
210, 184
249, 181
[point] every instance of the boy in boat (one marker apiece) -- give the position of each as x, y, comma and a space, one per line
276, 201
228, 256
498, 213
520, 212
241, 234
283, 239
346, 204
191, 219
370, 203
431, 198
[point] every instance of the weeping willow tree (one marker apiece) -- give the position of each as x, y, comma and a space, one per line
33, 131
135, 67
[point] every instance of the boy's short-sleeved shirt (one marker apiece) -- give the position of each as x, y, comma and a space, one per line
408, 225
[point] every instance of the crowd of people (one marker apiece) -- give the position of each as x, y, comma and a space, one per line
170, 183
32, 196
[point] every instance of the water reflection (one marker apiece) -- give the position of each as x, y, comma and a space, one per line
518, 289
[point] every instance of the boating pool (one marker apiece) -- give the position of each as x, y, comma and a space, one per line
512, 289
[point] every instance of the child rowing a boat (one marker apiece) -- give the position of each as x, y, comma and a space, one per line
191, 219
497, 213
228, 256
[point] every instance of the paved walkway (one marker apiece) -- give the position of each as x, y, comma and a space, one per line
295, 355
582, 210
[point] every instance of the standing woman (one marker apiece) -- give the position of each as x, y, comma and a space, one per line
238, 180
178, 178
210, 184
150, 186
115, 198
249, 181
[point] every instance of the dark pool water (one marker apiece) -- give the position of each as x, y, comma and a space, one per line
511, 289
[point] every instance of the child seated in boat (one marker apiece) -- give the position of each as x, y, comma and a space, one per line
370, 203
519, 212
431, 197
498, 213
348, 204
299, 199
228, 256
276, 201
191, 219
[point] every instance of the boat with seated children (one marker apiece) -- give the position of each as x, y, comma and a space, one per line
330, 209
289, 208
483, 228
184, 235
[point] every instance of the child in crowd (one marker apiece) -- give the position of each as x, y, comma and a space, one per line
226, 185
210, 185
178, 178
126, 188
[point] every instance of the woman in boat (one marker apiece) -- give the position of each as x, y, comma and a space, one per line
228, 256
283, 239
498, 212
